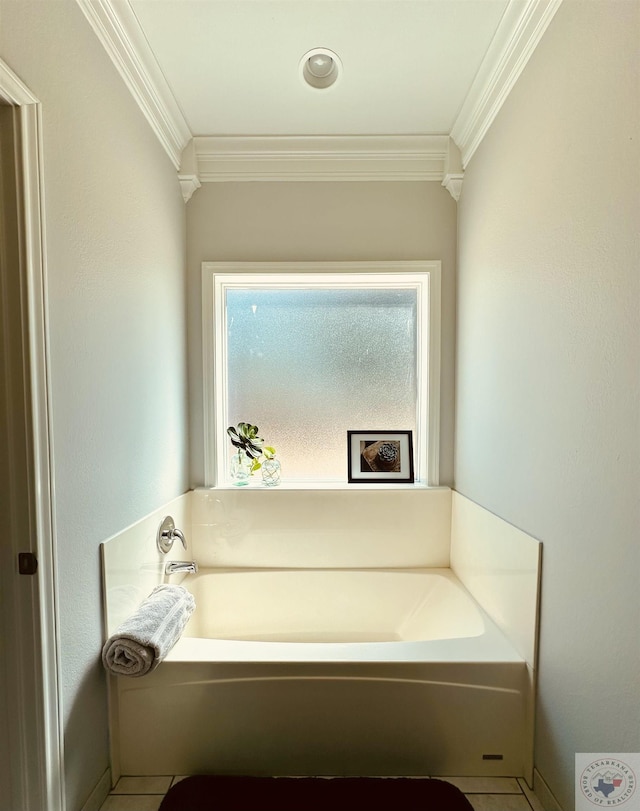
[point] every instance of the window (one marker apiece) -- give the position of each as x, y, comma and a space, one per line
309, 351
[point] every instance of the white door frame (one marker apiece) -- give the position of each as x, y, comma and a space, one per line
34, 696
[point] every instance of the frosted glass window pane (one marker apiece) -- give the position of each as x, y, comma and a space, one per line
308, 365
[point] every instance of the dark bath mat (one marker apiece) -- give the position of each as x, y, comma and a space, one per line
234, 793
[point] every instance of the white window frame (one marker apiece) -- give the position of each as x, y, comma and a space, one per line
217, 277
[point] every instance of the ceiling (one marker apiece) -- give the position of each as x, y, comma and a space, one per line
233, 65
220, 82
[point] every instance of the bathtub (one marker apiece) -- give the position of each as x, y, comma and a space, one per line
310, 615
337, 672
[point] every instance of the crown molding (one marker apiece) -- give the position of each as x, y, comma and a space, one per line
517, 36
453, 184
188, 185
188, 172
12, 90
119, 31
320, 158
453, 173
248, 158
331, 158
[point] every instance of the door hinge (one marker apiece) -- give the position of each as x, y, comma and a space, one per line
27, 563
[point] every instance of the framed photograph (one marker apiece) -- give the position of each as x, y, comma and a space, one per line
380, 456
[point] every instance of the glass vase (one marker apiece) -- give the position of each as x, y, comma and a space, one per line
271, 472
240, 469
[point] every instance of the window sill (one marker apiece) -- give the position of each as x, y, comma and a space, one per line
344, 486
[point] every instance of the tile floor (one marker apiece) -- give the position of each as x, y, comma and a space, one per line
484, 793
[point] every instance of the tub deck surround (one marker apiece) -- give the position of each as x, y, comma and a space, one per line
500, 566
322, 528
430, 675
132, 566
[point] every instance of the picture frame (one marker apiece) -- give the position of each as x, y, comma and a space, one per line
380, 457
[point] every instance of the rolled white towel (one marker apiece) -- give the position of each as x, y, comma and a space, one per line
144, 639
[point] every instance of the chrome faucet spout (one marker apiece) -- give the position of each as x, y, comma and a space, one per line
178, 566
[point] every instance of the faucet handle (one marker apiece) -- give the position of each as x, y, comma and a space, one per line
167, 533
178, 534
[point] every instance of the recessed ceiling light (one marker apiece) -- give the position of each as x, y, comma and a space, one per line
320, 68
320, 65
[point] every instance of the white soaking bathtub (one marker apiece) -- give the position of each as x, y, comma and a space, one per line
331, 606
340, 672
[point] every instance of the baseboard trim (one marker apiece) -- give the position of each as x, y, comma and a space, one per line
544, 793
99, 794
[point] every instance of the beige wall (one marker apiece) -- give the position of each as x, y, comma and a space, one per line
548, 365
317, 221
115, 250
547, 430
